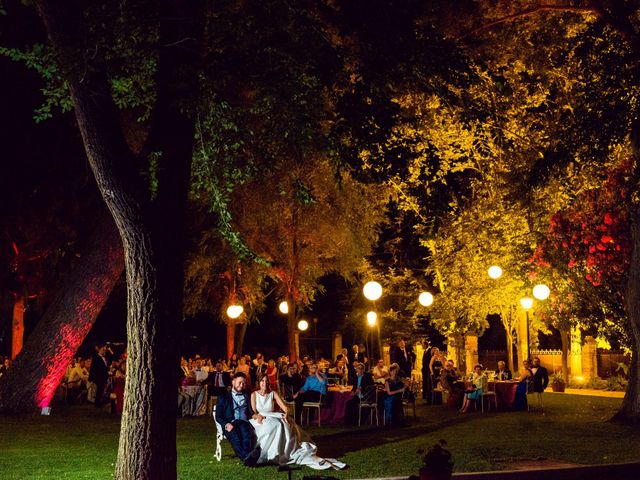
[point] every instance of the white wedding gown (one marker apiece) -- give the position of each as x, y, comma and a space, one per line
284, 442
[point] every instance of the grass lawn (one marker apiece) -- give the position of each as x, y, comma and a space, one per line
81, 443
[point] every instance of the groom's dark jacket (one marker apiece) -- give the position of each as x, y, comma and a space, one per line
224, 408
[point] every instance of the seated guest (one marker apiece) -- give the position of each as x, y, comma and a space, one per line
200, 372
291, 382
339, 372
502, 373
77, 382
351, 372
476, 390
219, 381
394, 387
449, 383
314, 386
380, 372
363, 382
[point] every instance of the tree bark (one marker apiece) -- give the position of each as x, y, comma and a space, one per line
151, 225
37, 371
630, 410
231, 334
241, 333
291, 328
510, 350
17, 326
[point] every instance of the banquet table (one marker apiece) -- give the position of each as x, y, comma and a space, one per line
335, 409
505, 394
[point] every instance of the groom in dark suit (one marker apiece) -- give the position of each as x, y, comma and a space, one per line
233, 412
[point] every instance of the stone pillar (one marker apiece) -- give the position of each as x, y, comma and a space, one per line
387, 354
575, 361
590, 358
336, 345
471, 352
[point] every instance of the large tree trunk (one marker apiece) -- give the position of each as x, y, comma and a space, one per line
242, 331
291, 329
37, 371
151, 224
231, 336
630, 410
17, 326
510, 349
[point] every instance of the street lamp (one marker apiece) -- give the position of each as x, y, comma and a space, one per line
234, 311
495, 272
283, 307
303, 325
541, 291
372, 291
425, 299
527, 304
372, 318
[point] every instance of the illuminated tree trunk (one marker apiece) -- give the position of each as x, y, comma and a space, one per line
150, 220
630, 410
241, 332
38, 369
510, 350
231, 334
291, 329
17, 326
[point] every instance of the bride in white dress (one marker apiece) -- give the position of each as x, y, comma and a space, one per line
280, 439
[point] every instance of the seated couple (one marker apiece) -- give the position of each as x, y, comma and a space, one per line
261, 435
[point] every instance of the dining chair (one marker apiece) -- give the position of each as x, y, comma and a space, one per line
369, 401
317, 405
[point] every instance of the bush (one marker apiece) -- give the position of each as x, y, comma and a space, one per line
616, 384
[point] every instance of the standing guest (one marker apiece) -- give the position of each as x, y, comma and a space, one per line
426, 374
435, 366
502, 373
99, 372
362, 382
540, 376
233, 412
524, 381
184, 369
219, 381
244, 368
272, 374
394, 388
314, 386
356, 355
476, 390
351, 371
258, 370
380, 372
403, 356
118, 387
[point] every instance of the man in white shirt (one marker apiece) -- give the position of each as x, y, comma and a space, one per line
380, 372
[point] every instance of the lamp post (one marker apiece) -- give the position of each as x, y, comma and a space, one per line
527, 303
373, 291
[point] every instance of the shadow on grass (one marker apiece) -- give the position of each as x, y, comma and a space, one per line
339, 443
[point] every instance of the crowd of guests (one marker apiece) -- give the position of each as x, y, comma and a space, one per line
303, 380
440, 374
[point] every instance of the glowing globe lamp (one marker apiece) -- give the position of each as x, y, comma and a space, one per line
372, 290
495, 272
372, 318
541, 291
234, 311
303, 325
425, 299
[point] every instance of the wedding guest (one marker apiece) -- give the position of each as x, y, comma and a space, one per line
291, 382
427, 387
476, 390
219, 381
314, 386
363, 381
200, 372
394, 388
502, 373
380, 372
339, 372
272, 374
403, 356
435, 366
525, 381
233, 361
540, 376
244, 368
99, 372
